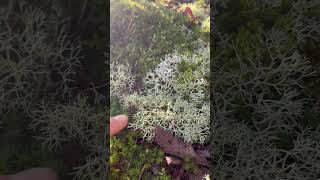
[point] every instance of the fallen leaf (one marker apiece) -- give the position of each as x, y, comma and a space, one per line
174, 146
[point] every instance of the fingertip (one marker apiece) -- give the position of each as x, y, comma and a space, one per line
120, 117
117, 123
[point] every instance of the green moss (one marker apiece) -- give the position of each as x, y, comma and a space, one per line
189, 165
128, 160
186, 70
155, 32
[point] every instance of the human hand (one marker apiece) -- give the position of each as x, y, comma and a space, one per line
32, 174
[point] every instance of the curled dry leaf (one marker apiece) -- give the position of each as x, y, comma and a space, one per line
174, 146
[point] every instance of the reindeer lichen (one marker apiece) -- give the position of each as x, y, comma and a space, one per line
174, 97
36, 58
259, 96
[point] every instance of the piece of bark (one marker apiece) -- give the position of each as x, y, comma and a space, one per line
174, 146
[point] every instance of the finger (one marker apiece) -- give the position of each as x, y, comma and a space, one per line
35, 174
118, 123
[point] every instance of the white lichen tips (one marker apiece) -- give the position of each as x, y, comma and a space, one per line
172, 98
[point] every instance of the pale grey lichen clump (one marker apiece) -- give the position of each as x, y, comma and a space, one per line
36, 58
62, 123
38, 63
258, 101
174, 97
121, 79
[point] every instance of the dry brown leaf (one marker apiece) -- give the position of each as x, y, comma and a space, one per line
174, 146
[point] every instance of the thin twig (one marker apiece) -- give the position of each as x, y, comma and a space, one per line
142, 172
